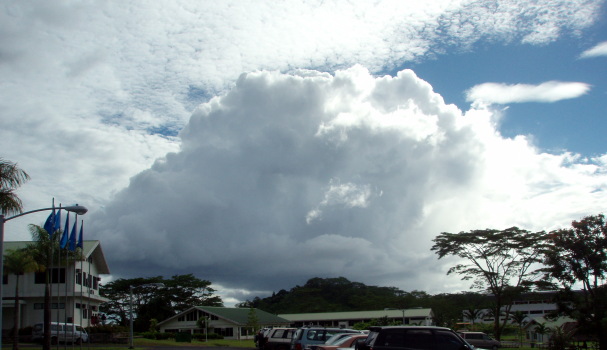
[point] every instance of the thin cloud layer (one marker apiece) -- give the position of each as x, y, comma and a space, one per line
291, 176
596, 51
551, 91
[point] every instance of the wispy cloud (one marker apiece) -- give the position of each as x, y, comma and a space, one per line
551, 91
596, 51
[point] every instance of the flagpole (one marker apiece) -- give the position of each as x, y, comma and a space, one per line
88, 301
57, 270
81, 282
66, 230
68, 265
73, 283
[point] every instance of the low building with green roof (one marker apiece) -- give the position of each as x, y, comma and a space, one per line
347, 319
230, 322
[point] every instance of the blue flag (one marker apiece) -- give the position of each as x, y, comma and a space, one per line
66, 231
72, 246
80, 239
49, 225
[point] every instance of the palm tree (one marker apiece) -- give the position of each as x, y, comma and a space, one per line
472, 314
540, 330
11, 177
18, 262
519, 317
44, 250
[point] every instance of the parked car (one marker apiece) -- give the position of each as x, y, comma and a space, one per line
414, 338
347, 341
336, 338
309, 336
279, 338
61, 333
480, 340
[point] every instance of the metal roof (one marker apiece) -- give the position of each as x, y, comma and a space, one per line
355, 315
239, 316
90, 249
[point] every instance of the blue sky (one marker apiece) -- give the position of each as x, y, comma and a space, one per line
575, 124
259, 144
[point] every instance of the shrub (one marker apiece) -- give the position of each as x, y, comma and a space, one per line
149, 335
164, 336
107, 329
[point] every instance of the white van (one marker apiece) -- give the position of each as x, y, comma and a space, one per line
61, 332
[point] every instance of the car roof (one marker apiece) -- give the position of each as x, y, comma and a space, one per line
378, 328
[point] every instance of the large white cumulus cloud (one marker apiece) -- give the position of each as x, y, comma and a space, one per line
291, 176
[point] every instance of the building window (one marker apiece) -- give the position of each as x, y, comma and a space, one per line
5, 278
60, 306
57, 275
226, 332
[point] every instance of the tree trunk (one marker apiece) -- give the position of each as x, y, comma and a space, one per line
46, 344
16, 317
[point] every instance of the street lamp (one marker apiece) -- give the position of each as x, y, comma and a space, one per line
403, 310
78, 209
131, 308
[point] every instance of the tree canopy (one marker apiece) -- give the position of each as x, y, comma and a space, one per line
577, 257
500, 262
155, 297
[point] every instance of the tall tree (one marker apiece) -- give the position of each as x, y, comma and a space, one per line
179, 293
187, 290
18, 262
11, 177
578, 256
500, 262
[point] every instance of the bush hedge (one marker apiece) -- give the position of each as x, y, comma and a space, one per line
201, 336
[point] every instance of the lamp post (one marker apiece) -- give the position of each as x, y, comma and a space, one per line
78, 209
403, 310
131, 309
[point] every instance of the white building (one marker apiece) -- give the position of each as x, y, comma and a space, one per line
535, 304
347, 319
74, 290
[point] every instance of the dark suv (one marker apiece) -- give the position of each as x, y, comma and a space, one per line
413, 338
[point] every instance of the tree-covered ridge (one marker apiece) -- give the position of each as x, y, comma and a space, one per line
340, 294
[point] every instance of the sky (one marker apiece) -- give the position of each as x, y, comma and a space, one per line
257, 144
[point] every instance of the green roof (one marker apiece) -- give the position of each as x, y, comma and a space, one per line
239, 316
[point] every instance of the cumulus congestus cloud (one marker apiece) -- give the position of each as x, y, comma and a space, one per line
290, 176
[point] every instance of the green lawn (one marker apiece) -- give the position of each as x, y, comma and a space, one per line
141, 342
